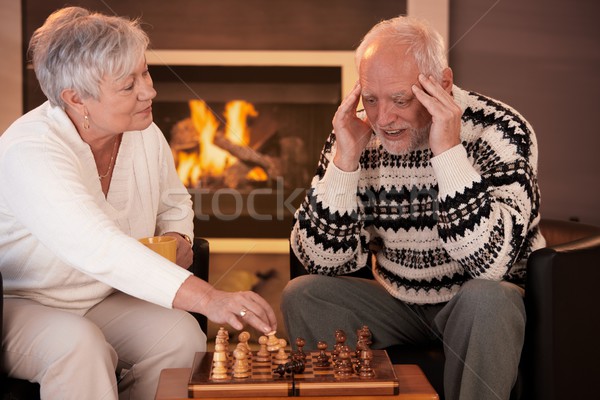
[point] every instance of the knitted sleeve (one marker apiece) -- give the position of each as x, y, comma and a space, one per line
328, 235
488, 192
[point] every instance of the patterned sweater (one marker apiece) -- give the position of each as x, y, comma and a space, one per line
436, 222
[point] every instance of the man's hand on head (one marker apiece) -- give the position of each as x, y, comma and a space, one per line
352, 134
445, 114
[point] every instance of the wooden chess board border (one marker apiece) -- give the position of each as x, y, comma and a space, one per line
314, 381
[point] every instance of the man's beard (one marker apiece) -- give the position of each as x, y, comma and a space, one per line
417, 139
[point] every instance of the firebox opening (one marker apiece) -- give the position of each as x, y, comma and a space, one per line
246, 140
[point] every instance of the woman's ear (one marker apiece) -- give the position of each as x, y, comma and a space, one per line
447, 79
72, 100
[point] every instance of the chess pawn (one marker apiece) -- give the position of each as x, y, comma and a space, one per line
365, 358
219, 369
300, 355
263, 355
241, 367
240, 346
272, 342
343, 366
243, 339
322, 358
281, 357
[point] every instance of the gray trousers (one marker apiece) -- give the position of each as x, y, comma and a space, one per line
482, 327
75, 357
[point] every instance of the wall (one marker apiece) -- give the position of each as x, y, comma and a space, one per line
11, 82
542, 58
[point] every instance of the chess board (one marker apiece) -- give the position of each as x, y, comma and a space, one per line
313, 381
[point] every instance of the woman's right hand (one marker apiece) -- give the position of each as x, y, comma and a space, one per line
233, 308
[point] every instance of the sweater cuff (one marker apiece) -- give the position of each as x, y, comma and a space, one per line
453, 171
338, 188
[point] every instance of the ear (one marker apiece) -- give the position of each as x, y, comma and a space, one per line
72, 100
447, 79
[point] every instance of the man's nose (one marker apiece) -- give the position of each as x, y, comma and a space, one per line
385, 114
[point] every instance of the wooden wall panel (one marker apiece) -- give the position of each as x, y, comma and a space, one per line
240, 24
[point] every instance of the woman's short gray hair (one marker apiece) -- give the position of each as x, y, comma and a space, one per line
76, 49
424, 43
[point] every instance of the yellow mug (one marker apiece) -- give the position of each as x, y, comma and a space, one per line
166, 246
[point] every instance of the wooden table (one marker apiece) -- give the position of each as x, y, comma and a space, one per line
413, 384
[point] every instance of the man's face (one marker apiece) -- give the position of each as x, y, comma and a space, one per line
397, 117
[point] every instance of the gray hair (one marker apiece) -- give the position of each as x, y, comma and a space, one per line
424, 43
76, 49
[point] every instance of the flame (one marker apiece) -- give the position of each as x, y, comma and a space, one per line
188, 168
257, 174
211, 160
236, 115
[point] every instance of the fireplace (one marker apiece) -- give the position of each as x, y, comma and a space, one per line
246, 130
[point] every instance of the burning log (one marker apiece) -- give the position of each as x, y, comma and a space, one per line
248, 158
291, 164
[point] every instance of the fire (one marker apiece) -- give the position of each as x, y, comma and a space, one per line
210, 161
236, 115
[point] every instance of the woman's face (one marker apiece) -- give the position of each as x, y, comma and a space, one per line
124, 104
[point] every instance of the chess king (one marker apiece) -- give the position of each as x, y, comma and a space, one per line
443, 181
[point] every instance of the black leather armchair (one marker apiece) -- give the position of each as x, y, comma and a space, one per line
16, 389
561, 351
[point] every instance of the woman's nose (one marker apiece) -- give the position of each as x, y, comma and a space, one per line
148, 92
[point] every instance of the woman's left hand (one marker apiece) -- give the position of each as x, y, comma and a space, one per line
185, 255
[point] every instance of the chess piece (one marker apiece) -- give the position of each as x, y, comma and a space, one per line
281, 357
365, 332
223, 338
299, 354
272, 342
323, 357
291, 367
263, 355
340, 340
241, 366
343, 366
365, 370
219, 368
243, 339
363, 339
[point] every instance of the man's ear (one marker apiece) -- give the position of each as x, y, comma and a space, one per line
447, 79
72, 100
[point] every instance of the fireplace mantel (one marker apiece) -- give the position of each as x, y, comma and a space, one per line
342, 59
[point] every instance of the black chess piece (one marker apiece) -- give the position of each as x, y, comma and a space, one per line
290, 367
323, 357
343, 366
299, 354
364, 365
340, 340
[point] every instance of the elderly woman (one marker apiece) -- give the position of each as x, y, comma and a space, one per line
83, 177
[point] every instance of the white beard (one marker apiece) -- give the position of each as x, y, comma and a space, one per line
415, 139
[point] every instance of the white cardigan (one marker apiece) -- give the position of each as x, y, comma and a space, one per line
65, 245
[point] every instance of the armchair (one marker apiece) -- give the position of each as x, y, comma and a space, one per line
15, 389
561, 351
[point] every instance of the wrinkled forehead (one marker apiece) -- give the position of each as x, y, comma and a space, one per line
387, 68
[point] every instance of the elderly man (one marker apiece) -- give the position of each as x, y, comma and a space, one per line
444, 182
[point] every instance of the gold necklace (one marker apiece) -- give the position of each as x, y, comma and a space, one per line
112, 158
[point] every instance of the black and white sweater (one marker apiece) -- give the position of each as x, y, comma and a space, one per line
470, 212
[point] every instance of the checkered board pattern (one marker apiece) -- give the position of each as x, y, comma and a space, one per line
314, 381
